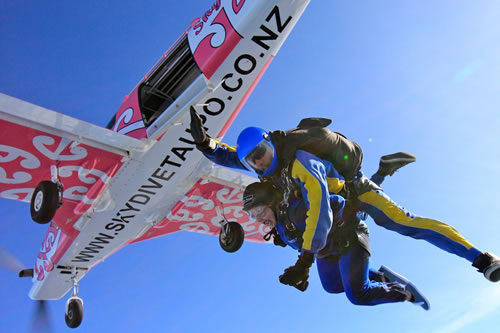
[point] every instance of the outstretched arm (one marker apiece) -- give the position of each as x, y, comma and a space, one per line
216, 151
223, 154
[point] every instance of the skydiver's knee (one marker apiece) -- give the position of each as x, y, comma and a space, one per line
333, 288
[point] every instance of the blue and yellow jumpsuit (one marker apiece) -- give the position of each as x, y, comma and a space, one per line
370, 198
344, 266
386, 213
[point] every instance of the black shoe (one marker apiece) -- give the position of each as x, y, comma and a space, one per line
489, 265
390, 163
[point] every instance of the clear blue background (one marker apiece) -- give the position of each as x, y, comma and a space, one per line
417, 76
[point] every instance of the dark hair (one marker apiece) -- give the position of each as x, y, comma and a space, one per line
258, 193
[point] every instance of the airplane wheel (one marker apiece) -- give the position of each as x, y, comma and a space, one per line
44, 202
74, 315
233, 240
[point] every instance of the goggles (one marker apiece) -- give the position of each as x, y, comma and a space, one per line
257, 212
255, 158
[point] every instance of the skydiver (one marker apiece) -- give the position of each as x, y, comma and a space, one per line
342, 251
308, 155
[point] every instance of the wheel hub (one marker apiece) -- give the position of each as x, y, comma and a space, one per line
38, 201
226, 236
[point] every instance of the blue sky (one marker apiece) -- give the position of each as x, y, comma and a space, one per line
393, 75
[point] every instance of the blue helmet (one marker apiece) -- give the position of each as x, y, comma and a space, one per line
256, 151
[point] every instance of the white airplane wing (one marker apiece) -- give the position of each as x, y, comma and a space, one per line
34, 140
216, 195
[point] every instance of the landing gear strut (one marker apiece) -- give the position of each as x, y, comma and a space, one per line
74, 307
231, 236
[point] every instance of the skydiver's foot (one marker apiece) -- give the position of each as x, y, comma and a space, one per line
390, 163
489, 265
409, 296
377, 276
413, 294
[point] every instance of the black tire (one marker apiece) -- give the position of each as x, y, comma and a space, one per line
234, 239
44, 202
74, 316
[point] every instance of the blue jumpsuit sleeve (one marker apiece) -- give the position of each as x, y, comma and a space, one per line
224, 155
311, 173
337, 204
293, 243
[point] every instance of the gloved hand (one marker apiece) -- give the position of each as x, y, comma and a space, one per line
278, 241
302, 286
297, 275
200, 137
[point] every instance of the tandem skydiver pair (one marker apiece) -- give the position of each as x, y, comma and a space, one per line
311, 162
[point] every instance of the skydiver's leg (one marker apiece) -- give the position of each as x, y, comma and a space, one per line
389, 215
329, 275
391, 163
358, 288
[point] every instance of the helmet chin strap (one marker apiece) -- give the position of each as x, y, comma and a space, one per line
267, 236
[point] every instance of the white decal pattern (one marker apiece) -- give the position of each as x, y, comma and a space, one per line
29, 156
77, 153
44, 261
125, 119
29, 161
23, 194
202, 209
83, 174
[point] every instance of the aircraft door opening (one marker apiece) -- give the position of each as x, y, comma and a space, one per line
168, 81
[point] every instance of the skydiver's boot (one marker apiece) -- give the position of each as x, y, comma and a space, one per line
414, 295
377, 276
489, 265
390, 163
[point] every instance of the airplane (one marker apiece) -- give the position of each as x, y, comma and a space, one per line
100, 189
